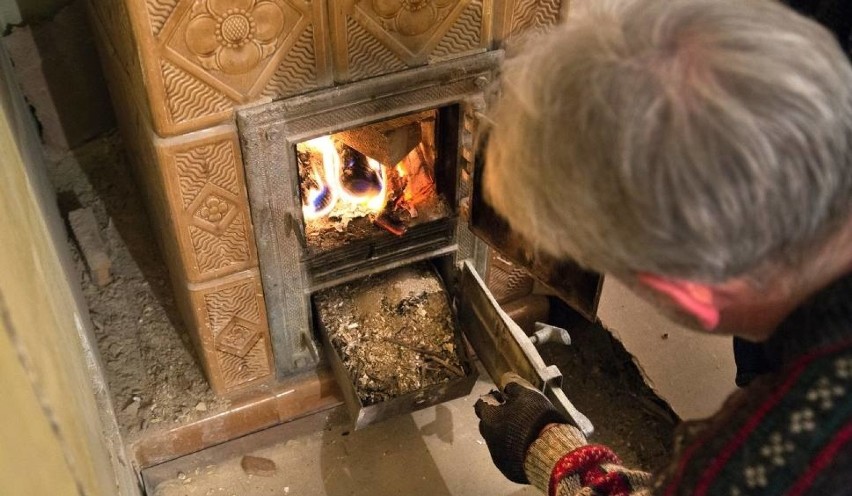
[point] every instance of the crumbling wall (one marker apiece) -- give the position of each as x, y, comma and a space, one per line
57, 67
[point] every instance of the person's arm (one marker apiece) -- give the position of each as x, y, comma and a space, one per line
532, 443
561, 463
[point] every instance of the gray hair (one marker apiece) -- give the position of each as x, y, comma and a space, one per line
687, 138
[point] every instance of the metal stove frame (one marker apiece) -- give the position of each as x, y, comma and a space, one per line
268, 137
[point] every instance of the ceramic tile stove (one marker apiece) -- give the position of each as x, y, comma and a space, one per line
240, 258
290, 146
425, 119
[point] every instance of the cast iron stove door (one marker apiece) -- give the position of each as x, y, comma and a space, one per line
502, 346
579, 288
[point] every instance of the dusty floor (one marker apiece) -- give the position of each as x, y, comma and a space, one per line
433, 452
150, 366
436, 451
154, 378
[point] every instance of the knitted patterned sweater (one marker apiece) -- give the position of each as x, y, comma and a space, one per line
788, 433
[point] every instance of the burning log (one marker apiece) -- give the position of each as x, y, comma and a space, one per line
358, 176
388, 141
355, 184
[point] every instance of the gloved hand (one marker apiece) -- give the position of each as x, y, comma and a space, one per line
511, 421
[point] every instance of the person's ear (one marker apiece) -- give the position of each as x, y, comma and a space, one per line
697, 299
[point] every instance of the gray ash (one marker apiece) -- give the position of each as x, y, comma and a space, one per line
394, 332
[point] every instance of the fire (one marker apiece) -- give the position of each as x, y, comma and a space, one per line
356, 183
321, 198
346, 178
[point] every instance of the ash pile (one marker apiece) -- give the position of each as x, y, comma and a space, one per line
395, 332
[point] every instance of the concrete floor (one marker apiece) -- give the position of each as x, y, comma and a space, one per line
437, 451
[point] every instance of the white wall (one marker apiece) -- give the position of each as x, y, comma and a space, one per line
693, 372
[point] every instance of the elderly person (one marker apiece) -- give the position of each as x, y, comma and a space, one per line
701, 152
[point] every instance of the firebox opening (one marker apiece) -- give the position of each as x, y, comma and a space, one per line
369, 181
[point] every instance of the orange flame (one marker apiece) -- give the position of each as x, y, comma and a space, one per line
322, 199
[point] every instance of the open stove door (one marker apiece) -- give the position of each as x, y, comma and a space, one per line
579, 288
502, 346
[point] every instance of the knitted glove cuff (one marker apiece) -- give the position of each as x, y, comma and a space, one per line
548, 449
520, 441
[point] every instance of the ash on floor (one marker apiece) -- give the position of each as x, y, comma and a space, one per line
394, 332
151, 371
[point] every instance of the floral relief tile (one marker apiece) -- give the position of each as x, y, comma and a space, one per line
192, 62
234, 36
237, 338
213, 211
374, 37
412, 17
208, 204
233, 45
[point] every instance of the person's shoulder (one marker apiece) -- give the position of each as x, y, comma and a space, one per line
789, 430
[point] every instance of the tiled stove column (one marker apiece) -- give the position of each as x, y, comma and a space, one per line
178, 69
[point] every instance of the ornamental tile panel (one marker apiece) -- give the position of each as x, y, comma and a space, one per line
533, 14
208, 204
233, 45
237, 338
515, 17
469, 34
159, 12
201, 58
233, 333
375, 37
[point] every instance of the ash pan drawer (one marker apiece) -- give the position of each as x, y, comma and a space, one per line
394, 343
